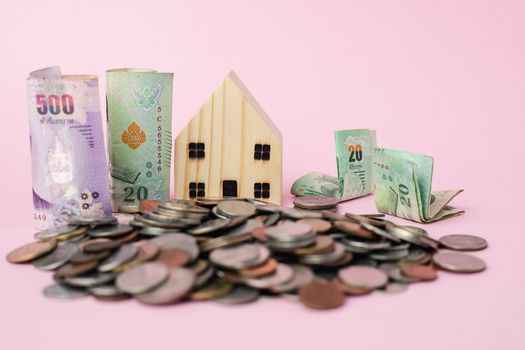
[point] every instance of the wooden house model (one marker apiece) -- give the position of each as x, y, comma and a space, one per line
230, 148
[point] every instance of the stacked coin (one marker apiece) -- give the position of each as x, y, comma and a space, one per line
233, 251
315, 203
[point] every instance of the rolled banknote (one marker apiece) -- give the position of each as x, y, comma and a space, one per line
403, 187
316, 184
354, 151
70, 174
139, 132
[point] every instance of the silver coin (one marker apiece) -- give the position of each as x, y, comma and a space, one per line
417, 255
290, 232
315, 202
301, 214
55, 232
106, 290
239, 295
148, 222
209, 227
290, 246
204, 277
179, 283
389, 256
320, 259
59, 291
237, 257
58, 257
272, 219
363, 277
416, 230
94, 221
365, 246
394, 272
179, 214
216, 212
142, 278
124, 254
458, 262
171, 220
301, 276
180, 241
137, 224
90, 280
380, 232
156, 231
463, 242
234, 208
184, 207
110, 231
282, 274
132, 208
413, 238
395, 287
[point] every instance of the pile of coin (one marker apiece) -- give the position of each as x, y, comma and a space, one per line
234, 251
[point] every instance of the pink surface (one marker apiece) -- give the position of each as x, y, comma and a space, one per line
444, 78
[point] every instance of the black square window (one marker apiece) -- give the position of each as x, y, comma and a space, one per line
261, 152
197, 189
261, 190
229, 188
196, 150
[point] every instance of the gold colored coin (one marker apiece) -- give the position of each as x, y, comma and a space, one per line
30, 251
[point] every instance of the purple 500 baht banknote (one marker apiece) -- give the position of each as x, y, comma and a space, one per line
70, 172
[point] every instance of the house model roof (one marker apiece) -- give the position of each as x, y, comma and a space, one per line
255, 104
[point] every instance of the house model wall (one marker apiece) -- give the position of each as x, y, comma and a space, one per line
229, 148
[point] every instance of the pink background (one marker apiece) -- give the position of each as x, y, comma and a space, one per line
444, 78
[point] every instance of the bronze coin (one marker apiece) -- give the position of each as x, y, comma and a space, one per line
353, 229
31, 251
173, 257
420, 272
259, 234
265, 269
323, 245
321, 295
81, 257
100, 246
70, 270
84, 244
130, 237
319, 225
148, 205
346, 289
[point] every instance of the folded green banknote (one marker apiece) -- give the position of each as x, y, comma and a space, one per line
354, 151
139, 132
403, 187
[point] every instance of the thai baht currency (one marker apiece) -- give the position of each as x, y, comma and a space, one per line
70, 174
354, 152
403, 187
139, 132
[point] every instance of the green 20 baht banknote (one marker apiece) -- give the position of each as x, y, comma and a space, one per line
354, 150
139, 130
403, 187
